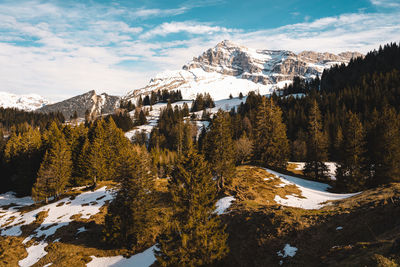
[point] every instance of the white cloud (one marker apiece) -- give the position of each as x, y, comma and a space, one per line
144, 13
186, 26
386, 3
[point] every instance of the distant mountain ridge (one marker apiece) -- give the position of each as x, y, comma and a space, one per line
95, 104
28, 102
229, 68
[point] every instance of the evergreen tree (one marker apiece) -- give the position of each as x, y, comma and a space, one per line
317, 145
219, 149
351, 170
55, 170
142, 118
387, 164
130, 216
271, 144
97, 153
195, 235
23, 154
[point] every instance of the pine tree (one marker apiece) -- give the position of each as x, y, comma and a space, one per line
55, 170
96, 159
130, 216
351, 171
317, 145
271, 144
195, 235
219, 149
387, 165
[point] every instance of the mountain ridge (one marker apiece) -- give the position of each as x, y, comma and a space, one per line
95, 104
229, 68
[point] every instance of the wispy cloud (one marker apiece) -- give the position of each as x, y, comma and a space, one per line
386, 3
186, 26
145, 13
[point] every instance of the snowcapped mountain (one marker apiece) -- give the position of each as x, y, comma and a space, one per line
24, 102
95, 104
229, 68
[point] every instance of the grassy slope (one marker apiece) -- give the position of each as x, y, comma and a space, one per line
258, 229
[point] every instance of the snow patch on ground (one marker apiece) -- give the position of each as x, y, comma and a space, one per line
223, 204
144, 259
80, 230
288, 251
314, 193
59, 215
35, 253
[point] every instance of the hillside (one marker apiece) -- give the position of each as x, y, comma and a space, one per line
266, 226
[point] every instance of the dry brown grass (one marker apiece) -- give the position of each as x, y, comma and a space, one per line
292, 168
255, 187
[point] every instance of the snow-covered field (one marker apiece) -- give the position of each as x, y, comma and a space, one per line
59, 214
315, 194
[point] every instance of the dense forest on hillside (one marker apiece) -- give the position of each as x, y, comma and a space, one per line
350, 115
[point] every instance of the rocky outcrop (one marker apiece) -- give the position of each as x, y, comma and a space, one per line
95, 104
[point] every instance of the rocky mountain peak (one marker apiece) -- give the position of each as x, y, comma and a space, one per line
231, 68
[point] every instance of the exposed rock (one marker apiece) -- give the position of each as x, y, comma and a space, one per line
95, 104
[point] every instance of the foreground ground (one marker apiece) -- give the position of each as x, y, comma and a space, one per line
272, 220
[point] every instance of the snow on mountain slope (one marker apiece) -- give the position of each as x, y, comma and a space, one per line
229, 68
196, 81
314, 194
24, 102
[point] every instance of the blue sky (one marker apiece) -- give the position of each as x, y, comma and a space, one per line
62, 48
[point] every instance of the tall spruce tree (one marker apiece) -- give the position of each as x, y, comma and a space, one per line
317, 145
219, 150
271, 144
195, 235
351, 172
96, 159
56, 167
387, 165
131, 214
